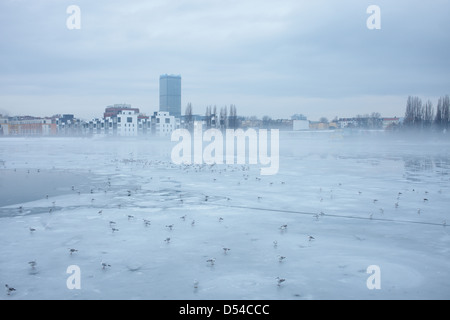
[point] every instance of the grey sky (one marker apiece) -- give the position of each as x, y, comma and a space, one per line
267, 57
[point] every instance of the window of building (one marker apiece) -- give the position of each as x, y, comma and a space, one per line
158, 120
129, 119
167, 120
119, 119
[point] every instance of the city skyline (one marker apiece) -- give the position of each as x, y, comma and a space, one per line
273, 58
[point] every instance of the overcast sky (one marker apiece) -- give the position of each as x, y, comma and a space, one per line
273, 58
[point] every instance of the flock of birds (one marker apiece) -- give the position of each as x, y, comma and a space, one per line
206, 198
147, 223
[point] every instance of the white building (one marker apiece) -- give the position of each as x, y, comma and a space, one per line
127, 123
164, 123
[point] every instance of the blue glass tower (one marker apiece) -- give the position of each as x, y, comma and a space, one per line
170, 94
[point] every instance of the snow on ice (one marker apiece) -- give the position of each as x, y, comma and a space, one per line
141, 227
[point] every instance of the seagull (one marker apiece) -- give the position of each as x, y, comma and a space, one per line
220, 219
193, 223
280, 280
147, 222
281, 258
283, 227
111, 223
225, 250
196, 283
212, 261
32, 229
105, 265
100, 212
9, 289
170, 227
425, 200
130, 217
311, 238
167, 240
206, 198
32, 264
183, 218
114, 230
275, 244
72, 251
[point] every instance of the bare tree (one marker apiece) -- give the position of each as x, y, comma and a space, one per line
223, 118
208, 117
375, 121
414, 113
323, 120
188, 119
214, 121
445, 112
428, 115
266, 121
232, 120
442, 118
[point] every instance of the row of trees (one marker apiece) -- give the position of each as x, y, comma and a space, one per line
225, 118
421, 115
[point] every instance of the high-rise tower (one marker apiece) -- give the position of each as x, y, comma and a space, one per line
170, 94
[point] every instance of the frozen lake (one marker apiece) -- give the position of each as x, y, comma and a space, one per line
348, 203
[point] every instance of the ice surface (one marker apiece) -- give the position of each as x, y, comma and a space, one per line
362, 200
